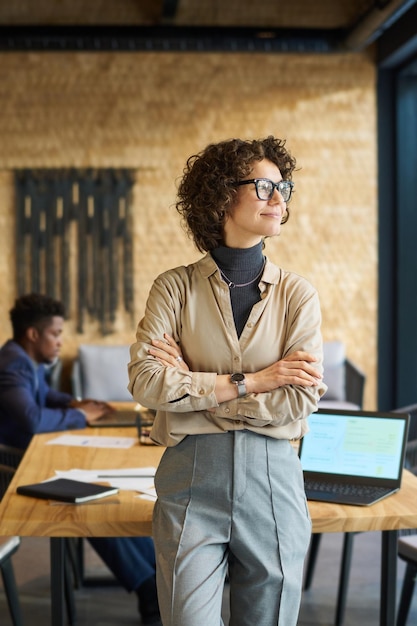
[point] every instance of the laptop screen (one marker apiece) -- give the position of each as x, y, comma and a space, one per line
361, 443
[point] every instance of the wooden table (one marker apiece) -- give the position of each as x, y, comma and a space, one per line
128, 515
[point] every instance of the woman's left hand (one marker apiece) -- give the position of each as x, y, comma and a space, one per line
168, 352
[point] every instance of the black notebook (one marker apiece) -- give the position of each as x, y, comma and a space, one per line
66, 490
353, 457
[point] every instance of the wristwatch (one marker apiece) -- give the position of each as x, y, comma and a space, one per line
239, 380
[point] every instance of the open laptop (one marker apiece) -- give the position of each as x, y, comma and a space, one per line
353, 457
127, 417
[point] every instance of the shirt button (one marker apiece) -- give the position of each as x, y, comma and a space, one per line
201, 392
238, 422
250, 325
227, 410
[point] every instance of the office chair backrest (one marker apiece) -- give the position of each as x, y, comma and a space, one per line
10, 456
412, 430
100, 372
6, 475
344, 380
8, 546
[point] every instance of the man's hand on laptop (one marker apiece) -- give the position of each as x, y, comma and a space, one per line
92, 409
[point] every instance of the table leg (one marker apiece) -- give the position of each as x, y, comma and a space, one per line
57, 581
388, 577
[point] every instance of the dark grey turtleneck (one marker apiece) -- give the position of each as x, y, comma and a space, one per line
241, 265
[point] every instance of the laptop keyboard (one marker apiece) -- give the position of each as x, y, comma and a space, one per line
345, 489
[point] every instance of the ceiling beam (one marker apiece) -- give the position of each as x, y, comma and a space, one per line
168, 38
375, 22
400, 43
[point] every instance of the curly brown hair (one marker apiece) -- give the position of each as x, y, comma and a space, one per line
208, 190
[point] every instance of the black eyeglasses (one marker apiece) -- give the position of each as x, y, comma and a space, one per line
265, 188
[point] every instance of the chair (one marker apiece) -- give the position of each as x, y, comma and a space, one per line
407, 542
407, 551
53, 374
346, 383
100, 372
8, 546
10, 458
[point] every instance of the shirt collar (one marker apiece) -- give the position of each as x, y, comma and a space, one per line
272, 273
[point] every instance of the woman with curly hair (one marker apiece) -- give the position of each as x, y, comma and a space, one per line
229, 354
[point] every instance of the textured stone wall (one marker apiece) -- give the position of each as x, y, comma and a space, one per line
149, 112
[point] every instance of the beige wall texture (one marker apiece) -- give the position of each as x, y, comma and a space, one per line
150, 111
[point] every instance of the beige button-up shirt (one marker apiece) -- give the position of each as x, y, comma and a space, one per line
192, 304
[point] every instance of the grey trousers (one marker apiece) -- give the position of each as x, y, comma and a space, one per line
230, 503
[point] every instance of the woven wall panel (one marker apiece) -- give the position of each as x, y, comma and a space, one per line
7, 252
149, 112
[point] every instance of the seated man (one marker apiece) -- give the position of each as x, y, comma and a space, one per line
28, 406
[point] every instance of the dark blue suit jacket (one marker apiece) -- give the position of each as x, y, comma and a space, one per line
27, 404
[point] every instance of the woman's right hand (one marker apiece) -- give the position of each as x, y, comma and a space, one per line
294, 369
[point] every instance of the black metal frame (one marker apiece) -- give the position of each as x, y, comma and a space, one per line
397, 191
168, 38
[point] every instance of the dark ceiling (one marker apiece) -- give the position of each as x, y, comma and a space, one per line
203, 25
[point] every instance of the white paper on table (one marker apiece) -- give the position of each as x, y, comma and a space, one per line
149, 494
93, 442
134, 479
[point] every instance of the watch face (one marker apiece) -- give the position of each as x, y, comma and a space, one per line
237, 378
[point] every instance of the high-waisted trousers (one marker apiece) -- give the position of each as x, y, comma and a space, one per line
230, 503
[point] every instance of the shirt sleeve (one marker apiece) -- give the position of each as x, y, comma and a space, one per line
154, 385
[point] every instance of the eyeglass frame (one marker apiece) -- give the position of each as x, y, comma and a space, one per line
287, 183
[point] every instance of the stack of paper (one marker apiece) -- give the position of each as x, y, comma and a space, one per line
139, 479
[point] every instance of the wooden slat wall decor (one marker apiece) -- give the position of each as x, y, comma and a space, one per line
57, 209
